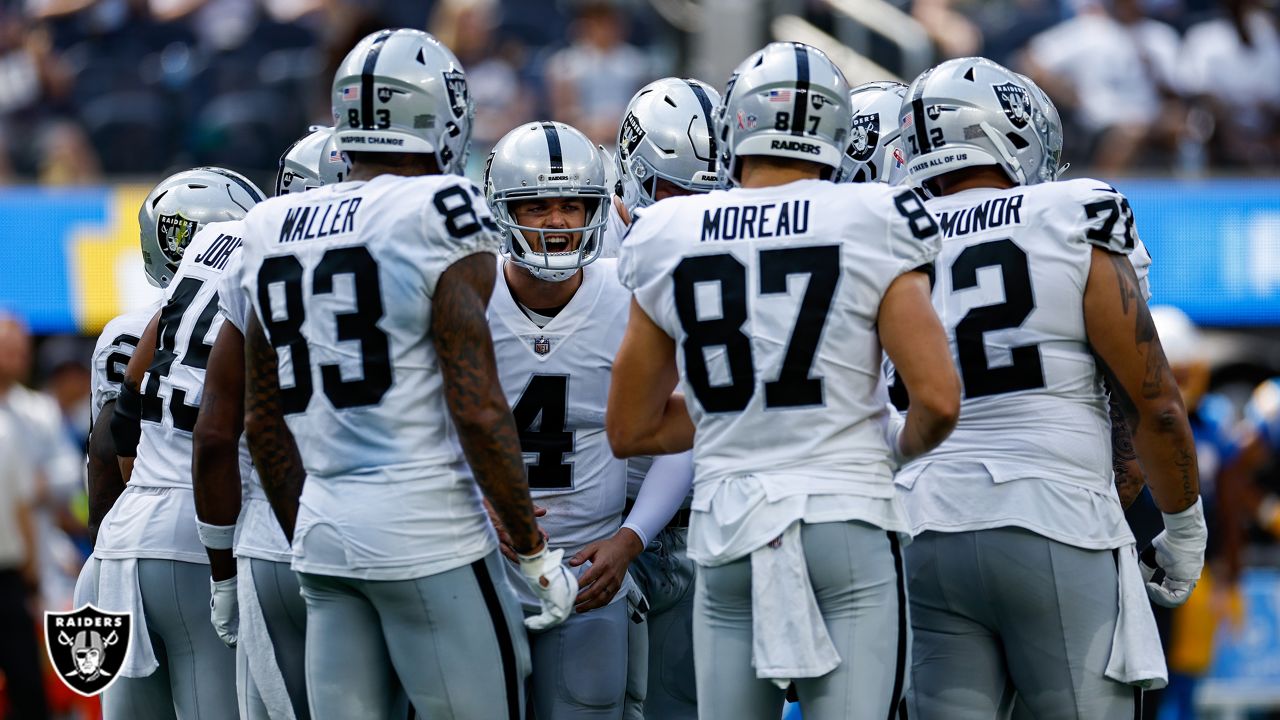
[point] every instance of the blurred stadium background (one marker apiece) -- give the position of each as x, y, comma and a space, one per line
1176, 102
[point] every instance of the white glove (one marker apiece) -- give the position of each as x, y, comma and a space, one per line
554, 585
224, 610
1171, 565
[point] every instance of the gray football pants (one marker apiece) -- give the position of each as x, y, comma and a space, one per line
580, 666
855, 570
1005, 611
285, 614
665, 575
454, 640
197, 674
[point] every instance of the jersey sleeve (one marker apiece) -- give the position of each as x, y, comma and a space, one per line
912, 236
1102, 216
643, 264
110, 358
1141, 260
232, 300
459, 224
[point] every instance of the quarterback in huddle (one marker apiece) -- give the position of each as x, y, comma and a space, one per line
798, 391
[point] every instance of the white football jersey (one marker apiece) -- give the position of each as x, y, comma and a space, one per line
556, 379
112, 352
1009, 290
772, 296
341, 279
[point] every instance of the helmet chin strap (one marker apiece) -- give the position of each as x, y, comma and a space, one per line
1011, 162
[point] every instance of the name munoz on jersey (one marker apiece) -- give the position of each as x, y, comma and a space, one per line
341, 279
772, 295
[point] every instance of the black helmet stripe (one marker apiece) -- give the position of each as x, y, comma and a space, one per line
553, 147
705, 102
366, 79
249, 189
917, 113
800, 103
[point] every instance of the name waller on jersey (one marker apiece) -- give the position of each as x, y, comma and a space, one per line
219, 252
995, 213
309, 222
766, 220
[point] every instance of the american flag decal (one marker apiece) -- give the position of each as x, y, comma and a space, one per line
779, 96
351, 93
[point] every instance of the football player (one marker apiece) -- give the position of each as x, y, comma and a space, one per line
268, 627
370, 372
1016, 511
771, 311
151, 562
874, 152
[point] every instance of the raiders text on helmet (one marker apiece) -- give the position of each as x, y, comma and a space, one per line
789, 101
668, 133
971, 112
546, 160
311, 162
176, 209
402, 91
874, 153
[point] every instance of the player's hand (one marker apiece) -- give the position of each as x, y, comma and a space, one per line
224, 610
609, 559
504, 539
554, 585
1171, 565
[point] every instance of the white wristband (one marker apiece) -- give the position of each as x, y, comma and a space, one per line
216, 537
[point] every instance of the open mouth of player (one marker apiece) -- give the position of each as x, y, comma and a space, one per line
556, 244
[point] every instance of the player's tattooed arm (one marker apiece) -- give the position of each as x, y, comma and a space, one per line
105, 483
1124, 340
215, 442
275, 452
474, 395
1129, 477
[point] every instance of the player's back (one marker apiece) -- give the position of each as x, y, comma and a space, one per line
1009, 290
772, 295
111, 353
173, 384
342, 278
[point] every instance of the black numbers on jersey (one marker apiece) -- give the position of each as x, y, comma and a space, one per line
194, 355
544, 403
912, 208
1026, 372
793, 386
460, 217
284, 329
118, 360
1111, 210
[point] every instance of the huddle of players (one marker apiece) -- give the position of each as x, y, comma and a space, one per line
925, 224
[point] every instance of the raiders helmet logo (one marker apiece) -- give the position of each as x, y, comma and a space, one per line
87, 647
541, 345
864, 137
174, 234
630, 135
456, 83
1016, 103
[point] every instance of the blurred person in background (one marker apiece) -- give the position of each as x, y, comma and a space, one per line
57, 463
591, 81
1111, 69
1230, 66
470, 29
66, 157
19, 578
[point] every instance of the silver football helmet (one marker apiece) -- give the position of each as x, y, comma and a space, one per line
970, 112
176, 208
310, 162
402, 91
788, 101
874, 153
1049, 124
667, 133
546, 160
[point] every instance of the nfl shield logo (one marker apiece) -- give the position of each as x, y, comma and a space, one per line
175, 233
541, 345
456, 83
1016, 103
87, 647
864, 137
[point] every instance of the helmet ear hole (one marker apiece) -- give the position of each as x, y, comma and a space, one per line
1018, 141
